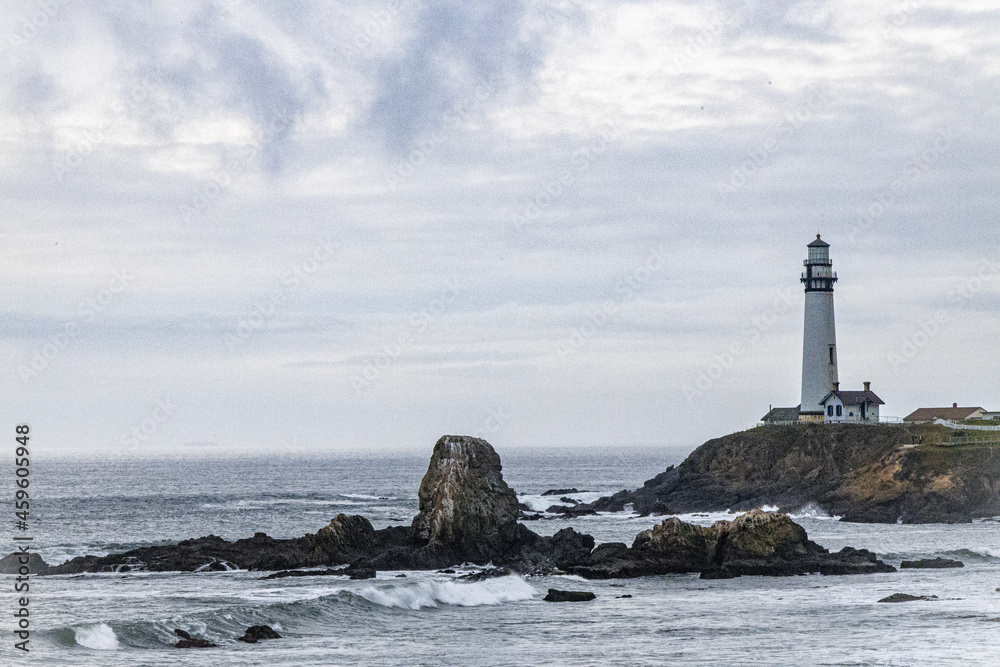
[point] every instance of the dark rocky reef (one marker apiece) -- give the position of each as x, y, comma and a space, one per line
756, 543
930, 564
345, 540
257, 633
862, 473
187, 641
469, 514
906, 597
556, 595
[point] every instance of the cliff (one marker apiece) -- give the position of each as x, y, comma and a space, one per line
870, 474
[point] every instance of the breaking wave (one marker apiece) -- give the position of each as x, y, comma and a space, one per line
540, 503
421, 594
814, 512
983, 554
299, 610
99, 637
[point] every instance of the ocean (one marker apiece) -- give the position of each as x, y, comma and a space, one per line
98, 506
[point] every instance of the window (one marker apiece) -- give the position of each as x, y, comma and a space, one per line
840, 410
831, 354
829, 411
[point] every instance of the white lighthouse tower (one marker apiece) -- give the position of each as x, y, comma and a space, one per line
819, 341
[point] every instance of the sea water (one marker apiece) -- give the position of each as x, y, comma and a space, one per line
99, 506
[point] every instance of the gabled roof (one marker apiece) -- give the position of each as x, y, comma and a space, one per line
818, 243
854, 397
930, 414
782, 415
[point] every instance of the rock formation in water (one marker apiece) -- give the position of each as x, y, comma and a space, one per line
556, 595
258, 633
465, 505
931, 564
22, 563
756, 543
469, 514
906, 597
187, 641
862, 473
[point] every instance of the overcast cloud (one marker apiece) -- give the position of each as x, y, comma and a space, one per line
351, 226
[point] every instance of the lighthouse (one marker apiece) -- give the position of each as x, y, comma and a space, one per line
819, 340
822, 399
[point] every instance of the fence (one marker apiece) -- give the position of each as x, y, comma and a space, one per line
964, 427
959, 440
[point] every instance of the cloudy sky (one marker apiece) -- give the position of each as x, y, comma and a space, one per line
241, 225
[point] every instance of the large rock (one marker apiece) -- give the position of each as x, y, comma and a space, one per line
759, 535
556, 595
13, 564
761, 543
465, 506
346, 537
688, 545
256, 633
906, 597
930, 564
187, 641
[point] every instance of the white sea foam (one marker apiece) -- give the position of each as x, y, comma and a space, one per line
708, 518
227, 566
99, 637
539, 503
812, 511
253, 503
362, 496
421, 594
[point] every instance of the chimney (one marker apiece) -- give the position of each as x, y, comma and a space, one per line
954, 405
868, 386
836, 386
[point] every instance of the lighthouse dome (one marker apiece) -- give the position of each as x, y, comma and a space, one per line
818, 243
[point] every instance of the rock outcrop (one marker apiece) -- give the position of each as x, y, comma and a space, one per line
906, 597
756, 543
556, 595
465, 505
257, 633
23, 563
861, 473
930, 564
187, 641
346, 537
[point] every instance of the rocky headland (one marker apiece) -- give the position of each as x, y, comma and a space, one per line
468, 514
864, 474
